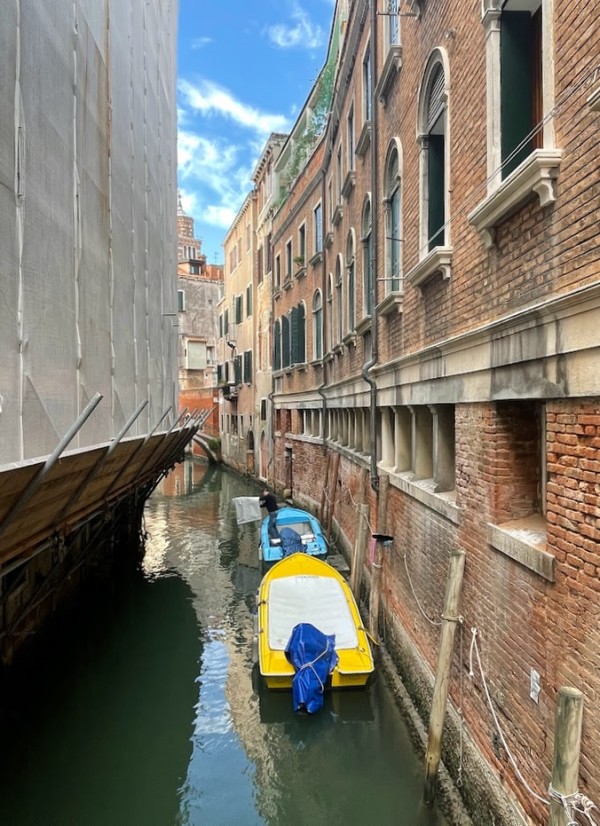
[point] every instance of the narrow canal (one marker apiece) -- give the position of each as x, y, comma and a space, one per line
143, 711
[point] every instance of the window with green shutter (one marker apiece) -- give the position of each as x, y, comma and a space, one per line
520, 84
248, 366
277, 345
285, 342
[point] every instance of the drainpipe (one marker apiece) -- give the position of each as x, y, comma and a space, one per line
375, 257
324, 304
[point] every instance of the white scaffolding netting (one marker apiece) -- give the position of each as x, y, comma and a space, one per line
87, 219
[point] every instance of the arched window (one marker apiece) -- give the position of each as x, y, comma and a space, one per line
367, 242
277, 345
317, 308
393, 225
350, 292
329, 314
339, 298
433, 129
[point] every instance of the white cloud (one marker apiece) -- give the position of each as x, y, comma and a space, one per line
213, 181
210, 99
303, 33
200, 42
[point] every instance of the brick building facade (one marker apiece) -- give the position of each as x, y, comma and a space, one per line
435, 325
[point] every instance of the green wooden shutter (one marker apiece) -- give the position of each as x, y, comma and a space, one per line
436, 179
300, 335
277, 346
285, 342
516, 100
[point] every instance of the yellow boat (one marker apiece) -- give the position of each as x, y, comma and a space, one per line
303, 589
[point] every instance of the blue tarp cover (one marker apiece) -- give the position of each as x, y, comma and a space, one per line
291, 542
313, 655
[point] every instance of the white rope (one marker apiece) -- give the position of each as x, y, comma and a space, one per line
475, 648
574, 804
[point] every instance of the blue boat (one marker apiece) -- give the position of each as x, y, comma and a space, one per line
296, 531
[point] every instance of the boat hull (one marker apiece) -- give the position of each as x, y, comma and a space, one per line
301, 588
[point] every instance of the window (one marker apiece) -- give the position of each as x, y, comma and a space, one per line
521, 103
302, 244
367, 242
288, 260
238, 309
393, 23
329, 314
318, 228
317, 325
248, 236
351, 139
366, 73
298, 334
277, 272
393, 229
180, 301
259, 264
226, 323
248, 300
351, 303
433, 151
340, 179
237, 369
339, 297
194, 269
285, 342
268, 253
221, 325
196, 357
263, 410
277, 345
248, 366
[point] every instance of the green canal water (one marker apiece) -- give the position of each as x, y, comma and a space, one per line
142, 709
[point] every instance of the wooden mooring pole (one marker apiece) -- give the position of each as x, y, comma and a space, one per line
567, 743
358, 557
440, 690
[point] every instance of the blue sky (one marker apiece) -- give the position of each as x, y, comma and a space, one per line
244, 71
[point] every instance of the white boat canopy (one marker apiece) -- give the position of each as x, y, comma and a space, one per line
317, 600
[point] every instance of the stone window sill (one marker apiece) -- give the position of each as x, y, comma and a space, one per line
349, 182
423, 490
594, 100
363, 326
392, 301
287, 283
337, 215
329, 238
277, 293
316, 259
350, 339
439, 260
524, 540
317, 364
300, 273
364, 139
391, 66
535, 176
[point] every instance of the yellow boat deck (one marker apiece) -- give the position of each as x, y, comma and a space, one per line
299, 589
